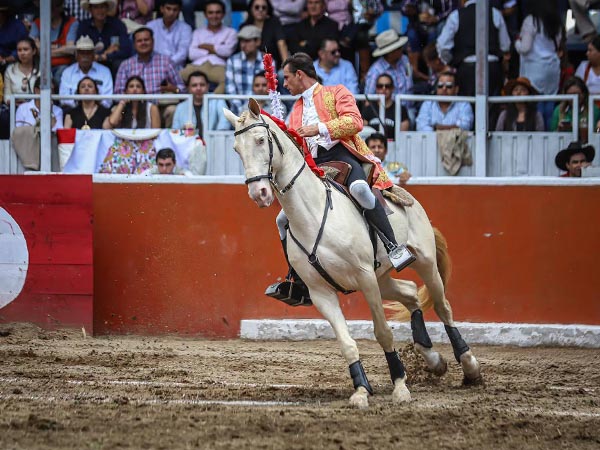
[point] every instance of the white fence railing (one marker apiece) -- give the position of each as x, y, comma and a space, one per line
508, 154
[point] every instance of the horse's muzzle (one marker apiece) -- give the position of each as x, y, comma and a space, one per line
261, 193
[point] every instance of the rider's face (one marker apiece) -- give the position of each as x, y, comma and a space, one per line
292, 81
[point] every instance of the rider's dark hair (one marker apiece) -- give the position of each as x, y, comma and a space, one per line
166, 153
301, 61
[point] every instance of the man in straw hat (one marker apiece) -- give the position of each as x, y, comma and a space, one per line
391, 60
108, 30
85, 66
329, 121
574, 157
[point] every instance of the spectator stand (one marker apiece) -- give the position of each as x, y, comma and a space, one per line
9, 162
508, 154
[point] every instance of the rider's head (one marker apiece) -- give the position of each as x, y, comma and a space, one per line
299, 73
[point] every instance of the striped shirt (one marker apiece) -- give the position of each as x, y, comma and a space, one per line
239, 73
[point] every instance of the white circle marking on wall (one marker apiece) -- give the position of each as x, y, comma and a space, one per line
14, 258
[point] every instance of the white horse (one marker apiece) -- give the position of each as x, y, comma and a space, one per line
275, 166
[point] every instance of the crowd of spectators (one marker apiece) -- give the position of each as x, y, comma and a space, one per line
156, 46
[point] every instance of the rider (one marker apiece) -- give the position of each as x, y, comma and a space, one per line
328, 119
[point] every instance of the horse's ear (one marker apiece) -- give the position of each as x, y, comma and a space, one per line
254, 108
231, 117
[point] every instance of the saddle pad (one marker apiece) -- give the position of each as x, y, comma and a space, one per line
338, 171
399, 196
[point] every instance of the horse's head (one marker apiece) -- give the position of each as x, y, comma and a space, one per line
254, 144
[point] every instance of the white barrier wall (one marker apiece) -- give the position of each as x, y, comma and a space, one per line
509, 154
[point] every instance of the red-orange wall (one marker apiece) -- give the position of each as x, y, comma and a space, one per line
54, 213
196, 258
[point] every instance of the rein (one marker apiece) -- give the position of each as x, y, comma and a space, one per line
269, 175
312, 257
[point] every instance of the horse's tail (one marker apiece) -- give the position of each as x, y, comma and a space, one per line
444, 266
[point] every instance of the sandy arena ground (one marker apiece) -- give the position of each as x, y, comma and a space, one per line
59, 390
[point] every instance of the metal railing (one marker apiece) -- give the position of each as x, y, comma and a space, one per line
45, 156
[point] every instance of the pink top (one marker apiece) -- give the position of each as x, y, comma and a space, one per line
224, 41
129, 10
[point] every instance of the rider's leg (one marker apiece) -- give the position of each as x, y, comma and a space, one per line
293, 290
399, 255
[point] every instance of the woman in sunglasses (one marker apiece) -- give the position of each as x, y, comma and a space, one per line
20, 76
260, 14
370, 113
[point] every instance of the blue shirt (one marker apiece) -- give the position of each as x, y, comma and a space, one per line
216, 118
11, 32
343, 73
239, 73
430, 115
112, 27
73, 74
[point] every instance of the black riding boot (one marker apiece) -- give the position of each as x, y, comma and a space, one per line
400, 256
293, 291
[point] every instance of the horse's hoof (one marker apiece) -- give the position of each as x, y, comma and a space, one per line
360, 399
471, 369
473, 381
401, 394
441, 367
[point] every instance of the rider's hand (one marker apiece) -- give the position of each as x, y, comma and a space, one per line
308, 130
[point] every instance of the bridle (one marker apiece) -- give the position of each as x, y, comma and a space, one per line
269, 175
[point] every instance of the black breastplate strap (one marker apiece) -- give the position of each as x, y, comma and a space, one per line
313, 259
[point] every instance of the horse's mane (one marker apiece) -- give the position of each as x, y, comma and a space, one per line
246, 115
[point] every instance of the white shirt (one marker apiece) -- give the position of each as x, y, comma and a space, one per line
310, 117
27, 114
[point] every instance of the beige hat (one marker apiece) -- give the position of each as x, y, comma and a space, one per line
85, 4
85, 43
249, 32
387, 42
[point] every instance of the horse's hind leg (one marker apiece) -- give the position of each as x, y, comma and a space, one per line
405, 292
462, 352
385, 337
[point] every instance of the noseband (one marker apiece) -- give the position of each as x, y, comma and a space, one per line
269, 175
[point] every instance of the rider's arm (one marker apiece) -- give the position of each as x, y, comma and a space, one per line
348, 122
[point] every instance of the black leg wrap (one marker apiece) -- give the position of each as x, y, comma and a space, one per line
419, 332
458, 344
359, 377
395, 365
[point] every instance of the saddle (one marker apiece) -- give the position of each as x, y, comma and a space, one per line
338, 172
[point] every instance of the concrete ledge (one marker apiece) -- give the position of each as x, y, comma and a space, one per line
519, 334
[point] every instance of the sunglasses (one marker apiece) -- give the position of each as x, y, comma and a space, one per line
445, 85
335, 52
260, 7
384, 86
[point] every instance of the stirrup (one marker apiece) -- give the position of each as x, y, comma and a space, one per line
290, 292
401, 257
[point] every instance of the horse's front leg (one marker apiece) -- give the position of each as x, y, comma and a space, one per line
326, 301
385, 337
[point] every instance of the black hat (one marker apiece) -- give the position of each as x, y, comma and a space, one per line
563, 157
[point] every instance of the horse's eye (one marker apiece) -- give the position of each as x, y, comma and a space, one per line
261, 140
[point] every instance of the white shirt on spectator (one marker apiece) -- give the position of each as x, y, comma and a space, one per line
593, 80
27, 114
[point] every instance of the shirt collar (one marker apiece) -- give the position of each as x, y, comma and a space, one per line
307, 94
